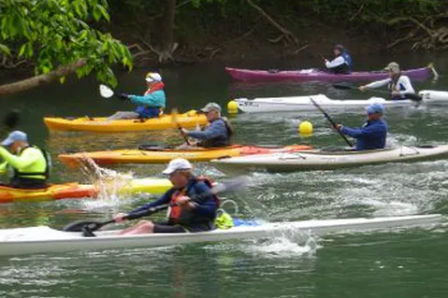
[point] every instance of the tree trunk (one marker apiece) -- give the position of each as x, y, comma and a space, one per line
167, 45
40, 80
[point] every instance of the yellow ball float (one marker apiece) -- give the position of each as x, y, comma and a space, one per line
306, 128
232, 107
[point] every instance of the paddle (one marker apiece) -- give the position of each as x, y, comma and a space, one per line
174, 114
411, 96
331, 121
107, 92
88, 227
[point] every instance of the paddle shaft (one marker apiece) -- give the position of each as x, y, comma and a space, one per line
331, 121
410, 96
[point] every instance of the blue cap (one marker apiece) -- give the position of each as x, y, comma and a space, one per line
375, 108
15, 136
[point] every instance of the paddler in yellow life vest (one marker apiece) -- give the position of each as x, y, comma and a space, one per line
217, 134
193, 206
30, 165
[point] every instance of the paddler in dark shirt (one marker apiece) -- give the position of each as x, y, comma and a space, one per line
193, 207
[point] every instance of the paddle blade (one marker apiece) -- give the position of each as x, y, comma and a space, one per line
231, 185
343, 87
106, 91
12, 119
81, 225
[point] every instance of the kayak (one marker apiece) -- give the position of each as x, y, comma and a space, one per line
327, 160
44, 239
101, 124
165, 155
433, 96
249, 75
302, 103
154, 186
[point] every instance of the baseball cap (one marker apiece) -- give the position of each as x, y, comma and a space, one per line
393, 66
211, 107
375, 108
177, 164
153, 76
15, 136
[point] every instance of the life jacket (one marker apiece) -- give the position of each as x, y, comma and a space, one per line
393, 85
35, 175
348, 60
220, 141
182, 216
150, 112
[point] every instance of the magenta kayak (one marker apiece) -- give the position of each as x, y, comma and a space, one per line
249, 75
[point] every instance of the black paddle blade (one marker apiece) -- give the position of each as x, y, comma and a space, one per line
12, 119
79, 225
413, 97
343, 87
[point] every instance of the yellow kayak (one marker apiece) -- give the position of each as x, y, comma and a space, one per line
165, 155
188, 120
154, 186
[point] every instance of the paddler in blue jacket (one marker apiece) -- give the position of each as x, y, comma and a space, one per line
150, 105
342, 62
193, 207
217, 134
372, 135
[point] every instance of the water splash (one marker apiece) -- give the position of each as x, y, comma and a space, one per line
286, 243
107, 183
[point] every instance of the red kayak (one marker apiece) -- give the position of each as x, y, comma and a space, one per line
249, 75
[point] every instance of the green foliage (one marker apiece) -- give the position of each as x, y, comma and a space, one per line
56, 33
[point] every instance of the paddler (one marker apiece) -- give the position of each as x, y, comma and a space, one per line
217, 134
398, 84
150, 105
193, 207
342, 62
30, 165
372, 135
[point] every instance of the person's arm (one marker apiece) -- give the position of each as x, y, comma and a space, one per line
165, 199
20, 162
335, 63
214, 130
359, 133
204, 206
155, 99
405, 83
377, 84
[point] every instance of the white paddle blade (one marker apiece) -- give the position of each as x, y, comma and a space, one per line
106, 92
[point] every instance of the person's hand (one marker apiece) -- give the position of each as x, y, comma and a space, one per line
362, 88
395, 92
119, 217
326, 61
339, 126
184, 131
124, 96
185, 202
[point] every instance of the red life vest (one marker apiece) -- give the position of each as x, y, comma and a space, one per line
177, 212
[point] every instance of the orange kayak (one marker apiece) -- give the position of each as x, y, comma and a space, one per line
165, 155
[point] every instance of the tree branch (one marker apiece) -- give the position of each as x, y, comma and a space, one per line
288, 34
40, 80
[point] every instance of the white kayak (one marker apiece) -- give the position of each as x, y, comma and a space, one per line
46, 240
301, 103
328, 160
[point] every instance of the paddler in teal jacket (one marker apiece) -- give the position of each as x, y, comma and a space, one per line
150, 105
30, 165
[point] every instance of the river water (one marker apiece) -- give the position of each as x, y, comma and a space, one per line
404, 264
